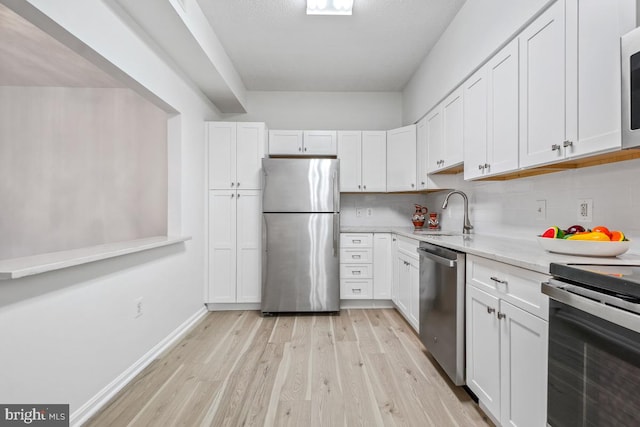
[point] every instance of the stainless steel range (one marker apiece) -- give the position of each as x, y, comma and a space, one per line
594, 345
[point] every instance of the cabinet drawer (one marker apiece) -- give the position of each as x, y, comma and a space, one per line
356, 271
519, 286
356, 240
356, 255
408, 246
356, 289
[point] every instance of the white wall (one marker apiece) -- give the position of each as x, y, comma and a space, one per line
479, 29
324, 110
67, 334
508, 208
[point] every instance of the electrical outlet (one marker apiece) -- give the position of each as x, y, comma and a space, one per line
138, 308
369, 212
585, 210
359, 212
541, 210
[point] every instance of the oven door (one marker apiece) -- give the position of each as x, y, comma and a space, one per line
594, 362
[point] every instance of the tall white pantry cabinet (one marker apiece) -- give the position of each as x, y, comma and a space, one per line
235, 152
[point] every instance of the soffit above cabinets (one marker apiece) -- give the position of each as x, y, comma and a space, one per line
274, 45
31, 57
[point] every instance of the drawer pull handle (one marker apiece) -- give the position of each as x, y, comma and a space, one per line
356, 290
495, 279
355, 256
501, 315
356, 241
356, 272
491, 310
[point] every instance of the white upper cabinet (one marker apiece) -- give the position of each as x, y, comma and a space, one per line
363, 161
285, 142
235, 154
542, 88
422, 155
491, 116
350, 155
445, 132
401, 154
303, 143
570, 80
374, 161
435, 152
502, 111
475, 124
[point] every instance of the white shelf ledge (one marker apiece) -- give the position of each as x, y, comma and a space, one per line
15, 268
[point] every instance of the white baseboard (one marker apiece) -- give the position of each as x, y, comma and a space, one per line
233, 306
86, 411
366, 303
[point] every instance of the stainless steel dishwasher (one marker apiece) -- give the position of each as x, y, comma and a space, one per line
442, 284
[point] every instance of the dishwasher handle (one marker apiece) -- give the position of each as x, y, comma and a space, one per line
451, 263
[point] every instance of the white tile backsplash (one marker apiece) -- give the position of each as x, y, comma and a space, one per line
508, 208
388, 209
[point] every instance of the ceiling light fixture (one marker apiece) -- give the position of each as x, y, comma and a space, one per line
329, 7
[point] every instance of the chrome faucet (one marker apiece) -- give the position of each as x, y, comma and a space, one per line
467, 227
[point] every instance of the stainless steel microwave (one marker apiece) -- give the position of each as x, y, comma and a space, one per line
630, 67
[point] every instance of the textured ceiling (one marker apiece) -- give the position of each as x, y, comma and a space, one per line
274, 45
30, 57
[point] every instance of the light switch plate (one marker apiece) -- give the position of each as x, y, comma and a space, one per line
585, 210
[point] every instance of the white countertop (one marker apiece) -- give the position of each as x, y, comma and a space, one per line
519, 252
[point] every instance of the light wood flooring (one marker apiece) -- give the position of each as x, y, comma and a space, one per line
361, 368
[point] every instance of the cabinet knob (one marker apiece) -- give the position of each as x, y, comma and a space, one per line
358, 187
567, 144
487, 165
422, 182
237, 184
412, 185
299, 148
556, 147
491, 310
232, 184
232, 195
501, 315
480, 167
238, 195
365, 187
305, 148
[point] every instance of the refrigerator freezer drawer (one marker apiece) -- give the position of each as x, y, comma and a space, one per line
301, 265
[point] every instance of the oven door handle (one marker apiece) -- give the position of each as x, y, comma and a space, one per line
555, 290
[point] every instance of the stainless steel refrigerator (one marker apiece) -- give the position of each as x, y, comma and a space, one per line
301, 230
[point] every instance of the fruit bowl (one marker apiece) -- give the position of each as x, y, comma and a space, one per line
584, 247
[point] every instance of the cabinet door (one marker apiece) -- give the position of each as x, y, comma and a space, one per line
502, 143
542, 88
382, 267
435, 154
395, 270
320, 142
483, 348
374, 161
524, 368
222, 246
285, 142
249, 245
404, 284
422, 155
350, 155
452, 125
475, 124
250, 145
596, 67
414, 294
401, 152
222, 155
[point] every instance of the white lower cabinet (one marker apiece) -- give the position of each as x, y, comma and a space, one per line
235, 218
407, 280
365, 266
382, 268
506, 342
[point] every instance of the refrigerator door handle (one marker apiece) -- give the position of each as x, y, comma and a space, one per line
336, 193
336, 231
